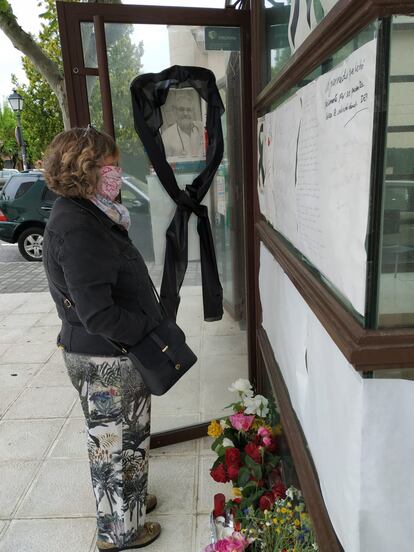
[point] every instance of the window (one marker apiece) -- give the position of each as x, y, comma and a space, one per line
17, 187
49, 195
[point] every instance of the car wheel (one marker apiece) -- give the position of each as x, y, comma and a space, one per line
31, 244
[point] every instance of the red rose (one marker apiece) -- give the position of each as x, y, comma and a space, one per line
273, 446
232, 456
233, 471
279, 490
237, 525
266, 501
237, 500
219, 474
253, 451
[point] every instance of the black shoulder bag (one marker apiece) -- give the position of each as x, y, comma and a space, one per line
162, 357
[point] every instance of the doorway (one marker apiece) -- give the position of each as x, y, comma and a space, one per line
106, 48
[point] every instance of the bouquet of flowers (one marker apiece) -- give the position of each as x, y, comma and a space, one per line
265, 516
284, 527
246, 444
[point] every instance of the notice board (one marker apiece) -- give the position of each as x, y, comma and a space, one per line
315, 169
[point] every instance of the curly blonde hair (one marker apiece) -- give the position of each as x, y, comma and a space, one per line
73, 161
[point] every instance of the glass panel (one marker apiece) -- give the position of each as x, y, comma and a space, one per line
94, 101
357, 42
396, 290
220, 346
14, 185
404, 373
89, 45
287, 24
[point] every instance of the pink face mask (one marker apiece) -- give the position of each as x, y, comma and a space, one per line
110, 183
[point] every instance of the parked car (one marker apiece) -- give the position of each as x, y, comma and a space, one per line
26, 202
5, 174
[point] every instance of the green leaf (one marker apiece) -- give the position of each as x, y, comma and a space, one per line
220, 451
257, 471
244, 476
217, 442
216, 463
249, 489
250, 462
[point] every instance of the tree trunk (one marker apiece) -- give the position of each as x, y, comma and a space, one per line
24, 42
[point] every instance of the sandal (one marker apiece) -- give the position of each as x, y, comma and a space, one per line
151, 503
151, 531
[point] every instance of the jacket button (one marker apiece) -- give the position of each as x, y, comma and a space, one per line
67, 303
178, 366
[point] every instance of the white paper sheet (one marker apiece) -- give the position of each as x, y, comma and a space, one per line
303, 19
317, 150
359, 431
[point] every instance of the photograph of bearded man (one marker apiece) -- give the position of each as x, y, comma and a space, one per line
185, 137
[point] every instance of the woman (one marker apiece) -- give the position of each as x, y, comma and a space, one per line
102, 291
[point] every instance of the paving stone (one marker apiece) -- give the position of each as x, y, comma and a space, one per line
53, 374
176, 533
202, 534
62, 488
27, 439
172, 479
30, 352
49, 535
17, 375
15, 478
22, 277
43, 402
71, 442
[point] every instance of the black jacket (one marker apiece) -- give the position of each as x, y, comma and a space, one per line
90, 260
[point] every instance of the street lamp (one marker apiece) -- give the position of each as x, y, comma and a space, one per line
16, 103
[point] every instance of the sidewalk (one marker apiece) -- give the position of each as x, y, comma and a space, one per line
46, 500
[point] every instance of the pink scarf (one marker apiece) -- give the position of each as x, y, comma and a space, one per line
108, 189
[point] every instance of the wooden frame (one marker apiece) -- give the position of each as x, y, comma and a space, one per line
365, 349
71, 15
345, 20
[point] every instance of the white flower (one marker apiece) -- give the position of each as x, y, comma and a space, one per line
227, 443
242, 386
256, 405
223, 423
290, 493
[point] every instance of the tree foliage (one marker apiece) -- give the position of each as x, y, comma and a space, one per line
41, 117
8, 144
124, 64
46, 111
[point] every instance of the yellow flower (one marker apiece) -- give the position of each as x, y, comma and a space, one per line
236, 492
214, 429
275, 521
277, 430
283, 510
297, 522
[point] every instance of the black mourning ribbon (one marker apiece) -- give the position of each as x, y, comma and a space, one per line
149, 92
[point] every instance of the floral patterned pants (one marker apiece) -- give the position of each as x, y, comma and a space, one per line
117, 406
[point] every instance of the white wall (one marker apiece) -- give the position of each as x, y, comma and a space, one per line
359, 431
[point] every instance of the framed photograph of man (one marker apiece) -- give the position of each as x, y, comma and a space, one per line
183, 129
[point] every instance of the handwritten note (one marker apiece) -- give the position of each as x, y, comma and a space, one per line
318, 171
